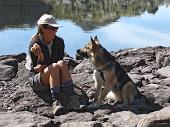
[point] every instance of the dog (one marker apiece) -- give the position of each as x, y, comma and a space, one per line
111, 80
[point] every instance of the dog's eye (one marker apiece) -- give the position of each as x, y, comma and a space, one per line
87, 47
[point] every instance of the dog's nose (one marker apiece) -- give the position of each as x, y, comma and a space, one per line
78, 56
78, 50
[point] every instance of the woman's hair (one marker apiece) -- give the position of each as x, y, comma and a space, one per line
37, 35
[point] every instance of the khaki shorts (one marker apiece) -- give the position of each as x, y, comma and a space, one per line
35, 83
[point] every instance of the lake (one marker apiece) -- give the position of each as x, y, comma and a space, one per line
118, 24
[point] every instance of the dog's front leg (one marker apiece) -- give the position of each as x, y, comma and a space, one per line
101, 98
98, 84
110, 81
103, 94
97, 92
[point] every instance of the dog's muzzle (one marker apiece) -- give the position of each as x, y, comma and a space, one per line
78, 56
81, 55
78, 51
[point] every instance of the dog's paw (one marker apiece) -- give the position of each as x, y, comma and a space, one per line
122, 106
94, 105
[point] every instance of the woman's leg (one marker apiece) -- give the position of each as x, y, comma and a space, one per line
67, 83
65, 73
51, 75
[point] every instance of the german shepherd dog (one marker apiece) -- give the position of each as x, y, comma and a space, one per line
109, 75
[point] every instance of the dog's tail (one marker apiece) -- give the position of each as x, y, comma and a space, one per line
148, 98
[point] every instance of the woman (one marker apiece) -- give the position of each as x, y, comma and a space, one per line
47, 70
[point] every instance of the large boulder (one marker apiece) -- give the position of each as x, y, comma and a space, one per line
24, 119
7, 72
165, 71
156, 119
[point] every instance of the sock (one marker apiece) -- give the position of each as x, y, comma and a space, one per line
68, 88
55, 92
67, 83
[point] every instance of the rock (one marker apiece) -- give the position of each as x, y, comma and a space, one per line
71, 62
16, 94
82, 124
19, 57
147, 69
166, 61
24, 119
75, 117
163, 58
165, 71
84, 66
131, 62
10, 62
125, 119
165, 82
7, 72
107, 124
156, 119
159, 59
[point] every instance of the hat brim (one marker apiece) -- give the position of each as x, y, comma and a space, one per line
54, 25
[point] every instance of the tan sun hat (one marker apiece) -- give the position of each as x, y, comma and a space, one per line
48, 19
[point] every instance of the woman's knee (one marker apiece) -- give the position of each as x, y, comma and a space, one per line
54, 66
61, 64
52, 70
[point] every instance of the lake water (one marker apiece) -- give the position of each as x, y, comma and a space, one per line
146, 29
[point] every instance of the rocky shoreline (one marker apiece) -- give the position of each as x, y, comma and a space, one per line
148, 67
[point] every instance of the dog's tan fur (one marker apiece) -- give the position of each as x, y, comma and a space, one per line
107, 75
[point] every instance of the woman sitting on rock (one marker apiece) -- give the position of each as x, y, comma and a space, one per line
47, 70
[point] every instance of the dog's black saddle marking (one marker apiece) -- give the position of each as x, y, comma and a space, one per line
110, 65
101, 74
119, 84
115, 88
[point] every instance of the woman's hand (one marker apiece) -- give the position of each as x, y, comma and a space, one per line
39, 68
36, 50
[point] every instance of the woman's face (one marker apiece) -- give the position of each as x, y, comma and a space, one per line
49, 32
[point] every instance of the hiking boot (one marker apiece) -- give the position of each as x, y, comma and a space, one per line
58, 109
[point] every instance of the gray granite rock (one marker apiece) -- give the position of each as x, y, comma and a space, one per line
125, 119
165, 71
7, 72
156, 119
16, 94
24, 119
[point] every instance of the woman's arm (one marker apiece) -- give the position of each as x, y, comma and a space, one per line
61, 49
34, 59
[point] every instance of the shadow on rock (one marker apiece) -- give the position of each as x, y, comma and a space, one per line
45, 96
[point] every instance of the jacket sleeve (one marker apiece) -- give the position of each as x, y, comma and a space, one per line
34, 59
58, 49
61, 50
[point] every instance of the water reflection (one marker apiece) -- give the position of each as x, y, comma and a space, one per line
118, 24
21, 13
90, 14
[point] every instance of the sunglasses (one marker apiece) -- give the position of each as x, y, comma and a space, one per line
49, 27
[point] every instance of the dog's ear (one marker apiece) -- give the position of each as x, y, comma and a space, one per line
94, 43
92, 39
96, 39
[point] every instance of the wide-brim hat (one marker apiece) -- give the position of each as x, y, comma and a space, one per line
48, 19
